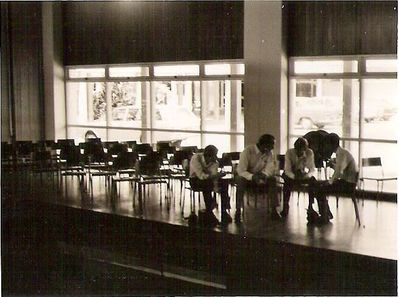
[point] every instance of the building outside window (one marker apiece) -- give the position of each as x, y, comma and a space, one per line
355, 97
186, 103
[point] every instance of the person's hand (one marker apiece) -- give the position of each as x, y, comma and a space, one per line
258, 177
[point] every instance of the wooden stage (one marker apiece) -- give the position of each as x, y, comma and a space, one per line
256, 256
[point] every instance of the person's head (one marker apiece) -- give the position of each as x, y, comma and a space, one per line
333, 141
266, 143
210, 153
301, 145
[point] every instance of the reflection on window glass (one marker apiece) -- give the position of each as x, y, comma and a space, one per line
177, 138
87, 104
86, 72
222, 105
126, 103
385, 65
380, 110
177, 105
225, 143
329, 104
128, 71
224, 69
176, 70
332, 66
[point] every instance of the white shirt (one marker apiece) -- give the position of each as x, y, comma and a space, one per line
294, 163
345, 166
199, 168
253, 161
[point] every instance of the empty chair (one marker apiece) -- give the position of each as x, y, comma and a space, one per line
373, 170
142, 149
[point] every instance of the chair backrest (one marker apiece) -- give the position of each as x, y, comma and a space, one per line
93, 151
24, 147
108, 144
131, 143
143, 148
374, 161
372, 167
116, 148
193, 149
6, 151
125, 160
180, 156
150, 164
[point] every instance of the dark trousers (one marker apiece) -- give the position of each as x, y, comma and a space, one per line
243, 185
290, 183
337, 187
206, 187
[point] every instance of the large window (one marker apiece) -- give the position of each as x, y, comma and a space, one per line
355, 97
190, 104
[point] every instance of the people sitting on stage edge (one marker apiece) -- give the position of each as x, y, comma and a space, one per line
255, 168
299, 168
204, 177
342, 181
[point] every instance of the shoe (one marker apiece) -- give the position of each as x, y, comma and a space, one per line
275, 215
312, 216
237, 216
284, 212
226, 218
330, 215
322, 220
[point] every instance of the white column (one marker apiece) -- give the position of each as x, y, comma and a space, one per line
265, 101
54, 88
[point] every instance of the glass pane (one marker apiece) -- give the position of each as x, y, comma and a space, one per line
386, 65
128, 71
78, 133
222, 102
225, 143
380, 112
176, 70
86, 72
224, 69
389, 159
86, 103
177, 105
126, 104
125, 135
328, 104
331, 66
177, 138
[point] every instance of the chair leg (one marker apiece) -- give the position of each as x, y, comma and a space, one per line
336, 199
356, 210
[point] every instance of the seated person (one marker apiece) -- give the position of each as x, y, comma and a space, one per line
204, 177
299, 168
343, 180
255, 168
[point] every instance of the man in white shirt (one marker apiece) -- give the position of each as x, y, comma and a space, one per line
204, 176
343, 180
257, 168
299, 168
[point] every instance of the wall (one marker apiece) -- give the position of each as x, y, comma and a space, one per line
320, 28
128, 32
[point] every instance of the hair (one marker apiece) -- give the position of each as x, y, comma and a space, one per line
300, 143
333, 139
210, 151
266, 139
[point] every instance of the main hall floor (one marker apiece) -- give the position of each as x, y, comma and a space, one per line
376, 236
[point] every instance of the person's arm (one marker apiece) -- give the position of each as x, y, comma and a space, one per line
310, 164
242, 168
288, 165
196, 168
340, 165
